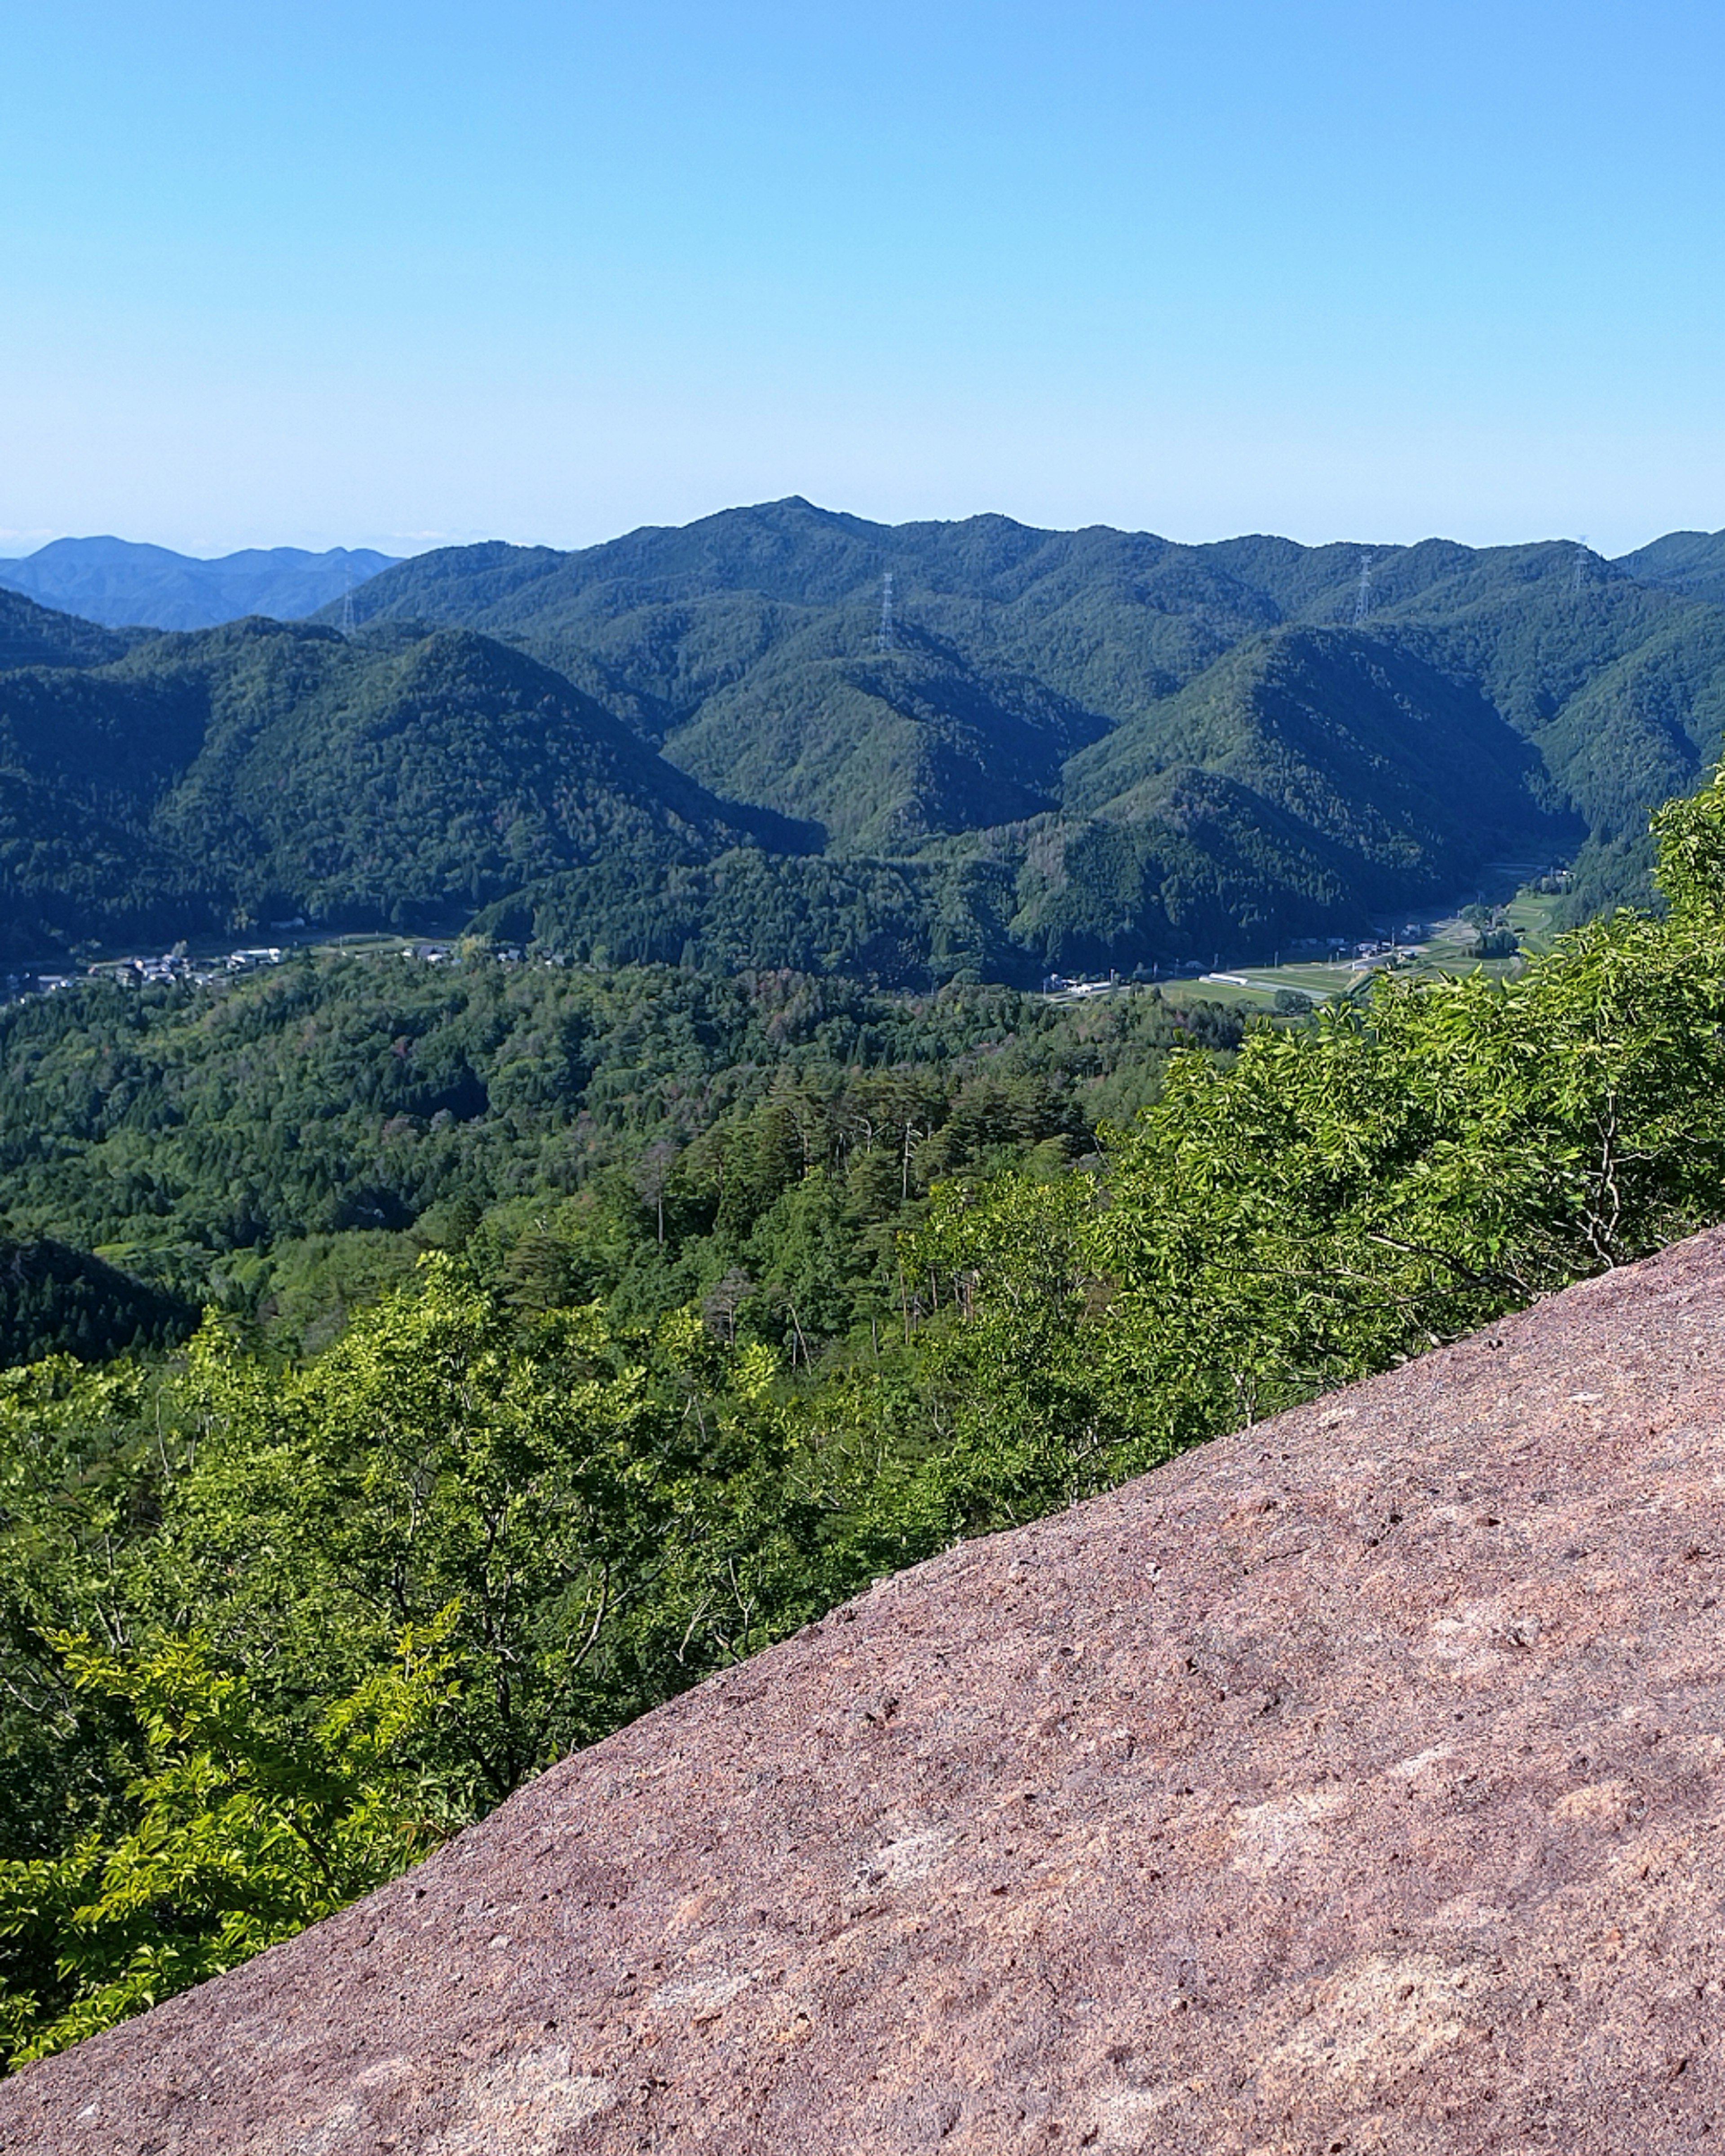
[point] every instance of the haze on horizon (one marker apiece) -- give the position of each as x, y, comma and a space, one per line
411, 278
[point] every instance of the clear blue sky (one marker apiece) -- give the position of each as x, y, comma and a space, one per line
545, 270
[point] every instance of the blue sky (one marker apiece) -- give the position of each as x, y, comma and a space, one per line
410, 275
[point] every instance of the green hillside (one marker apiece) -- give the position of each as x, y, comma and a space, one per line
745, 644
33, 635
1411, 777
258, 771
910, 923
1211, 867
84, 756
1208, 868
886, 748
1692, 561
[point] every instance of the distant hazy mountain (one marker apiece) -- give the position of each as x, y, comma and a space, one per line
121, 583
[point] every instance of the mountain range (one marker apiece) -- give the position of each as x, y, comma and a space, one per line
122, 584
786, 735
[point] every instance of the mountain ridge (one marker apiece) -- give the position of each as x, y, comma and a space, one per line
658, 625
1043, 750
35, 635
215, 777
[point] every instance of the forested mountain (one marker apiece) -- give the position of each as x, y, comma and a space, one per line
120, 582
31, 635
750, 645
1683, 561
219, 780
785, 737
911, 742
1405, 771
1218, 870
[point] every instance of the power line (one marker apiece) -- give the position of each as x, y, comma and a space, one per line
1362, 595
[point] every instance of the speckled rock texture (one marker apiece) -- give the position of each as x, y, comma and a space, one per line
1357, 1783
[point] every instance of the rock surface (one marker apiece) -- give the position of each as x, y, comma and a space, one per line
1355, 1784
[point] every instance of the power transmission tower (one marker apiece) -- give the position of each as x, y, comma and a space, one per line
1362, 596
1580, 559
883, 639
348, 624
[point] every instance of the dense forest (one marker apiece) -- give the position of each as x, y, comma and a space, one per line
415, 1363
1078, 670
208, 783
568, 1332
287, 1146
31, 635
786, 738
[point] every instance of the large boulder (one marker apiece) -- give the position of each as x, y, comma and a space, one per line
1353, 1784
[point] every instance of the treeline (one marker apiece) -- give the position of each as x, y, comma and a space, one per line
273, 1625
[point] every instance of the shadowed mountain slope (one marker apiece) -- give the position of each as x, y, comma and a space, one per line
55, 1299
220, 779
31, 635
1349, 1783
1405, 772
393, 772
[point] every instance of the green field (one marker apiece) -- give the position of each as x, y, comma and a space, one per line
1533, 915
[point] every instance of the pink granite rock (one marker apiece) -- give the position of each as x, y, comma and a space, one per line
1357, 1783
